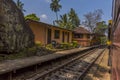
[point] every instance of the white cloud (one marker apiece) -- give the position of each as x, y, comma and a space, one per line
44, 16
48, 1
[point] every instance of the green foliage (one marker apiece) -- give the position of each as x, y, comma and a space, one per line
55, 6
101, 28
20, 5
103, 40
32, 51
75, 44
69, 21
22, 54
32, 17
38, 44
64, 46
74, 19
100, 31
49, 46
64, 22
16, 55
95, 40
98, 39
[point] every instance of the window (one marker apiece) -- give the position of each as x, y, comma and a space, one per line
63, 35
78, 35
57, 34
68, 37
88, 36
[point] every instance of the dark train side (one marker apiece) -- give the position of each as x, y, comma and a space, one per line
114, 36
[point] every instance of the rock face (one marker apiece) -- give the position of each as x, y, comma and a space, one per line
15, 34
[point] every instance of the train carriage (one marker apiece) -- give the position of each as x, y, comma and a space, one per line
115, 38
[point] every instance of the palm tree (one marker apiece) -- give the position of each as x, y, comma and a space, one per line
74, 19
64, 22
55, 6
20, 5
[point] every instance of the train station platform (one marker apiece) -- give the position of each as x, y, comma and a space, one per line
13, 65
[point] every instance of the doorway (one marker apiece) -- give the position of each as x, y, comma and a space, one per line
49, 36
63, 36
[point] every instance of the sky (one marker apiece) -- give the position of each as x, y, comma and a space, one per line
42, 8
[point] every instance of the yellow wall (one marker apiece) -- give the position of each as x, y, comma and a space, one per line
40, 31
61, 32
83, 41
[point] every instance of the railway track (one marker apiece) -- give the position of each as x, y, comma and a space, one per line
31, 71
74, 69
26, 73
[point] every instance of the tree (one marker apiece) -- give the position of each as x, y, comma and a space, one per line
69, 21
92, 18
32, 17
74, 19
64, 22
55, 6
101, 28
20, 5
99, 32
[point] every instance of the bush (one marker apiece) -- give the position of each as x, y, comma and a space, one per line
38, 44
21, 54
32, 51
63, 45
49, 46
66, 45
75, 44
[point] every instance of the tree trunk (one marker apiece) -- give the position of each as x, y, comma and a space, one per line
56, 16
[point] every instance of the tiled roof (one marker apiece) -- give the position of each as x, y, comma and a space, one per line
29, 21
81, 30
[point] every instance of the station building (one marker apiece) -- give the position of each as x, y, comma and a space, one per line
46, 33
82, 36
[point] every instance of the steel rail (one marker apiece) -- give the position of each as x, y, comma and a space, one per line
38, 76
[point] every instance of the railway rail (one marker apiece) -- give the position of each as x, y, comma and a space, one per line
74, 69
51, 64
32, 72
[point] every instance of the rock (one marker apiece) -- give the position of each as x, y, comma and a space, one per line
15, 34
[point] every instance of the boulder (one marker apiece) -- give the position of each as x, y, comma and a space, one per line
15, 34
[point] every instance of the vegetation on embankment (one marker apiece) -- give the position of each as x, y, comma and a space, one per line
28, 52
39, 50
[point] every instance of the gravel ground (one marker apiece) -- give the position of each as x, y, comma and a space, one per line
100, 71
